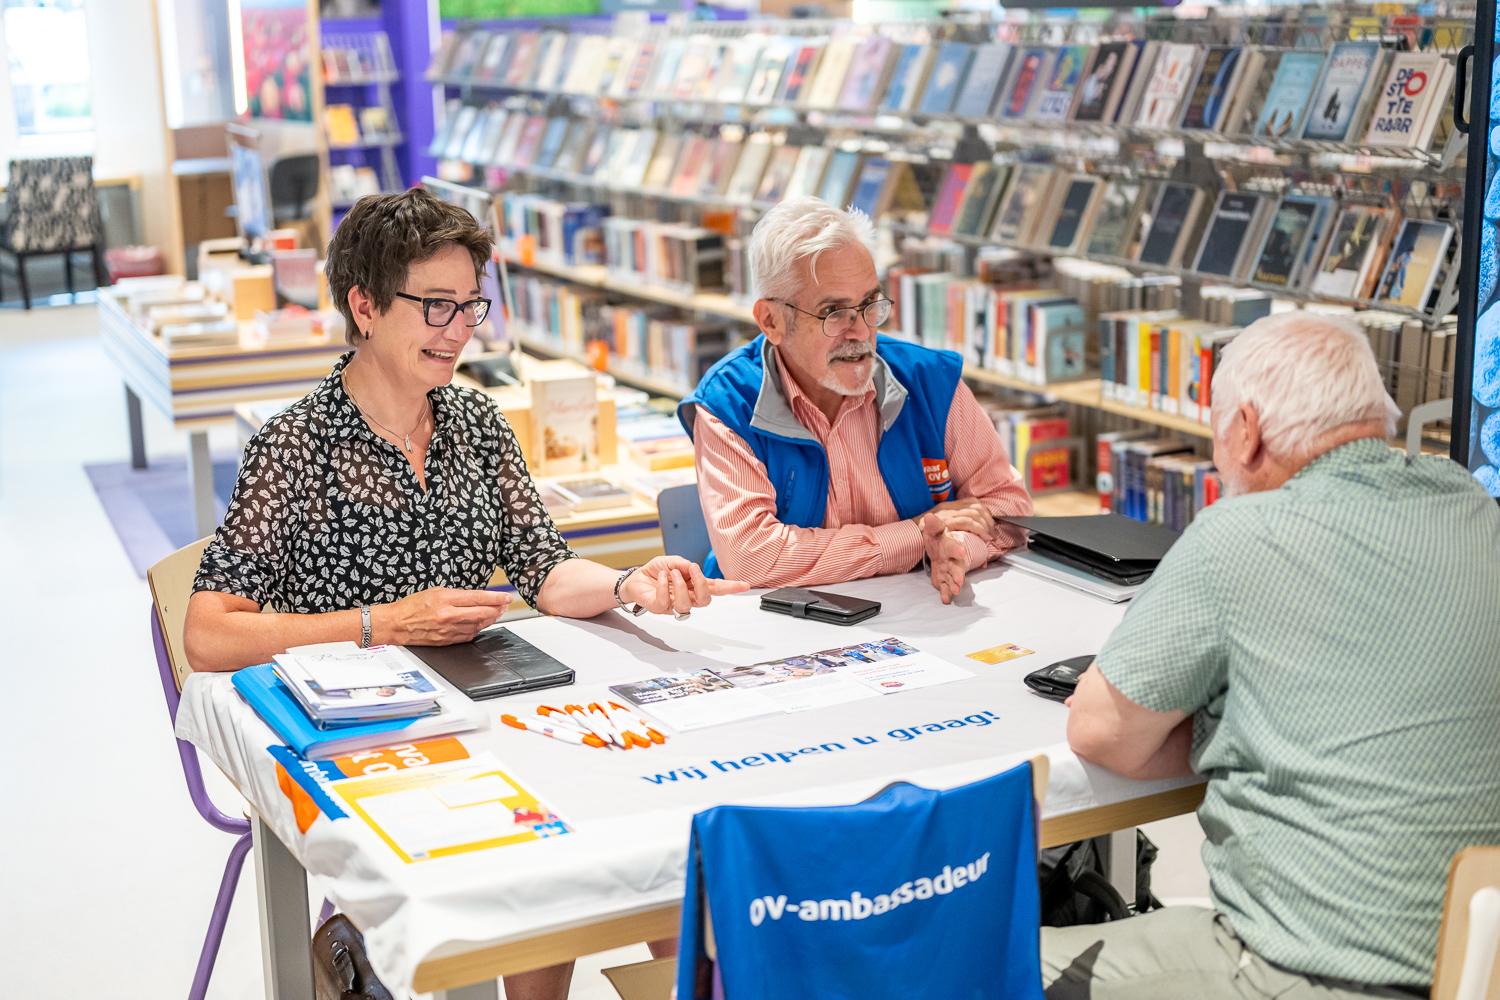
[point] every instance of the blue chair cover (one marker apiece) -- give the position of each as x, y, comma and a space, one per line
913, 893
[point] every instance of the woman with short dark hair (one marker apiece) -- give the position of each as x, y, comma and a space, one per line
377, 507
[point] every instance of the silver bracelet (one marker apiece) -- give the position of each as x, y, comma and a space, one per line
634, 609
364, 619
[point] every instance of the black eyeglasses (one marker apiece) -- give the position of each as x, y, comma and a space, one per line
839, 322
440, 312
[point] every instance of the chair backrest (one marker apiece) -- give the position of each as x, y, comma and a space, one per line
171, 582
683, 529
912, 892
294, 183
1471, 929
52, 204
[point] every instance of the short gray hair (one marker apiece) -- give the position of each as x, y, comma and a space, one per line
801, 228
1305, 374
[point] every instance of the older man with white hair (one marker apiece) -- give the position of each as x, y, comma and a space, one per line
1324, 646
828, 453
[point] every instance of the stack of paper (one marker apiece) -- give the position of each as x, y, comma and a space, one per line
348, 688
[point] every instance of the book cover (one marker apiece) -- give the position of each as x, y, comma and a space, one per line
983, 191
1116, 212
575, 145
714, 178
639, 77
872, 180
1276, 262
773, 183
597, 148
1076, 206
564, 420
581, 73
907, 79
692, 69
843, 166
799, 71
491, 65
1405, 100
468, 53
1291, 88
1176, 204
943, 209
690, 165
751, 165
659, 173
986, 73
617, 61
766, 80
828, 83
1028, 70
489, 143
948, 73
1166, 85
807, 177
1208, 98
549, 60
1025, 188
668, 59
1339, 90
866, 73
734, 81
1056, 98
639, 160
522, 58
462, 123
1228, 229
551, 142
1101, 80
1350, 248
1415, 259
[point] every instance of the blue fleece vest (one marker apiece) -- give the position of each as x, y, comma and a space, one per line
911, 455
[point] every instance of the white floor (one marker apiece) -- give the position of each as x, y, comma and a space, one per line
107, 875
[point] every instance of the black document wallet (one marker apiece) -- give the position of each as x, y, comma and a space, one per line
498, 662
819, 605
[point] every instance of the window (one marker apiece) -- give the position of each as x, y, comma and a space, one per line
46, 51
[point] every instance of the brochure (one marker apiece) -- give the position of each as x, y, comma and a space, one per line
694, 700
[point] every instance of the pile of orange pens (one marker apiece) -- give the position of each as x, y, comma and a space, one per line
596, 726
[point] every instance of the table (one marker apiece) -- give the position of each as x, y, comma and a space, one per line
452, 922
197, 387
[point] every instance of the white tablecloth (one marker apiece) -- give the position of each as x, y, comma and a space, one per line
630, 816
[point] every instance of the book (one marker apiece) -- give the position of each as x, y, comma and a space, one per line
633, 172
592, 493
795, 83
871, 184
693, 68
778, 174
1251, 71
340, 125
581, 74
1023, 85
1406, 107
828, 85
462, 123
1276, 260
552, 140
714, 178
735, 77
981, 195
1416, 257
575, 145
1116, 211
616, 68
808, 174
1340, 91
1147, 56
943, 209
638, 79
1209, 96
1055, 102
1166, 85
843, 168
1228, 236
1103, 81
689, 165
467, 54
949, 70
752, 164
1080, 198
549, 60
908, 78
531, 141
564, 419
1351, 249
766, 80
1026, 188
869, 73
1172, 219
522, 57
986, 74
663, 159
664, 71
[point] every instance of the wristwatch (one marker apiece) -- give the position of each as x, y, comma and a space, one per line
634, 609
364, 621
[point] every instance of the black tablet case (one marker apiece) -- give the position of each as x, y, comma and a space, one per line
498, 662
1110, 546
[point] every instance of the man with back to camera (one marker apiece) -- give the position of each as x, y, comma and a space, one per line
825, 453
1324, 645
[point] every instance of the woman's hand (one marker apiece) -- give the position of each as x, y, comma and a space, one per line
438, 616
671, 583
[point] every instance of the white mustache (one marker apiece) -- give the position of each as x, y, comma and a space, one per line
853, 352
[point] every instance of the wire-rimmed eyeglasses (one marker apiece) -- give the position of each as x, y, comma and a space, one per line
838, 322
440, 312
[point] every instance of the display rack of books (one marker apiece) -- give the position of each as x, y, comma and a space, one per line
360, 124
1088, 210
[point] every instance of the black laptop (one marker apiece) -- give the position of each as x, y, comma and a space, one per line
1111, 547
497, 663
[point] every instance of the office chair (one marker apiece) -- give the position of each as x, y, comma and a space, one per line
294, 184
171, 582
684, 532
52, 209
912, 892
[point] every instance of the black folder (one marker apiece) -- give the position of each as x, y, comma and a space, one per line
496, 663
1109, 546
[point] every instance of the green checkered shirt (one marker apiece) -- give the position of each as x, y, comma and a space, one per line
1338, 641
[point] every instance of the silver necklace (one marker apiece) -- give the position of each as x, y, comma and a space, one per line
344, 380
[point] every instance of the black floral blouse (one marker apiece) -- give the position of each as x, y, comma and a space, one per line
327, 516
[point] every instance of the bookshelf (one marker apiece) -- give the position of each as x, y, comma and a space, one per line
362, 129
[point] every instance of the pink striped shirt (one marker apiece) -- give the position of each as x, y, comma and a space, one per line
862, 535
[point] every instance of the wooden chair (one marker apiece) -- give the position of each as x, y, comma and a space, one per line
1471, 929
171, 582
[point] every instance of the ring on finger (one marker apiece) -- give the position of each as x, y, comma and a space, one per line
681, 615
